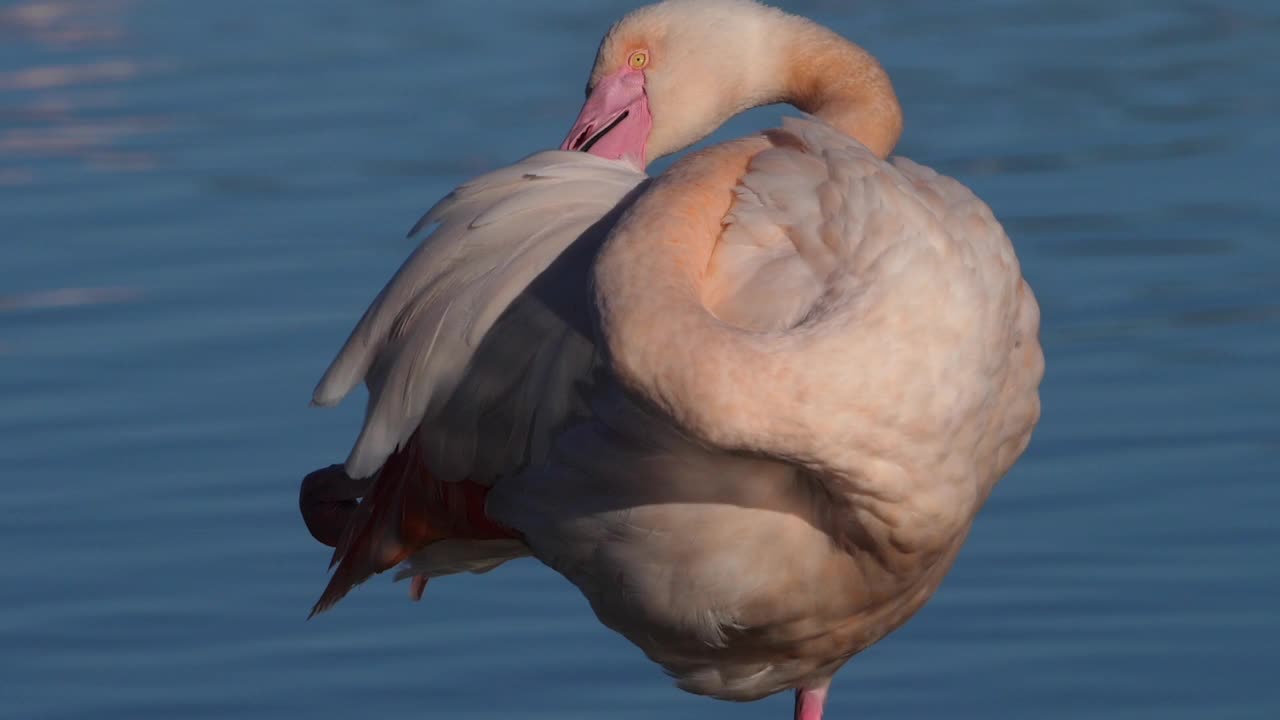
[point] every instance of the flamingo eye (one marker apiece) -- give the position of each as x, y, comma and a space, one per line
638, 60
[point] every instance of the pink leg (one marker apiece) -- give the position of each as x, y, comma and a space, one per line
809, 702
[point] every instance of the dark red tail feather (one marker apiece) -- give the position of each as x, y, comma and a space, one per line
404, 509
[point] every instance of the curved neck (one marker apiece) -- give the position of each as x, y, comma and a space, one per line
664, 344
829, 77
787, 395
649, 278
766, 58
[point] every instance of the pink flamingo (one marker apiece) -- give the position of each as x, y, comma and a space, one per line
749, 407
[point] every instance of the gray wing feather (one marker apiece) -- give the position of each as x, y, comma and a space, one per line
496, 235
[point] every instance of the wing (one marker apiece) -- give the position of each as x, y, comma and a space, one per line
911, 283
901, 318
497, 235
818, 209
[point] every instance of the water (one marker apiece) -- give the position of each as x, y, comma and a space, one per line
197, 200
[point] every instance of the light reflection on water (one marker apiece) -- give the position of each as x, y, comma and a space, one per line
199, 200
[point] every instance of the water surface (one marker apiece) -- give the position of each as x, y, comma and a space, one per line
197, 201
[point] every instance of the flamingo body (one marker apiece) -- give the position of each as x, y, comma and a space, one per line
750, 407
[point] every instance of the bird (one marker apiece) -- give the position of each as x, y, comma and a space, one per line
749, 406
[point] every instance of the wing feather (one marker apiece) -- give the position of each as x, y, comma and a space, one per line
496, 234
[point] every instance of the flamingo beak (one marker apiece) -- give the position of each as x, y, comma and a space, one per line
615, 121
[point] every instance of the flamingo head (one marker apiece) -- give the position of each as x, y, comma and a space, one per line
669, 74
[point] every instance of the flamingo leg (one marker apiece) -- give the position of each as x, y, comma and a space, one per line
810, 701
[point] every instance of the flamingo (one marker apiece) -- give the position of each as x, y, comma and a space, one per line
749, 407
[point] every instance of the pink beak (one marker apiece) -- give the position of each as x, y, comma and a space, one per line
615, 121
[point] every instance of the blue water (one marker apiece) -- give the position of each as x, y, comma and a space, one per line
197, 201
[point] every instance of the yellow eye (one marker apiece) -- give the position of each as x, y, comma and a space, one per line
638, 60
